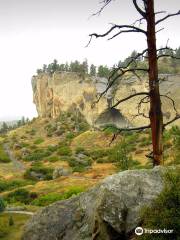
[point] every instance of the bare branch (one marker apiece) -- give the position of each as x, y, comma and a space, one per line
168, 16
129, 97
123, 31
124, 27
134, 129
172, 120
106, 2
110, 84
173, 102
142, 13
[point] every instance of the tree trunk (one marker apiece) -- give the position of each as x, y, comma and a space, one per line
155, 113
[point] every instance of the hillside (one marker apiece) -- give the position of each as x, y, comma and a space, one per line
53, 159
63, 153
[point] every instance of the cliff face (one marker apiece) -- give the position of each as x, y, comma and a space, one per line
69, 92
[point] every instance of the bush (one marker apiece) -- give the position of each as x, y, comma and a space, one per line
38, 154
98, 154
11, 221
79, 165
20, 195
32, 132
64, 151
121, 157
39, 168
164, 212
54, 197
81, 150
11, 184
38, 141
53, 158
2, 205
3, 229
4, 158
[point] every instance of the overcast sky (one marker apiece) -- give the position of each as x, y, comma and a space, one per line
34, 32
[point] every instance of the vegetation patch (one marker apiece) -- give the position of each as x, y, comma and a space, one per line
4, 158
20, 195
38, 154
7, 185
54, 197
39, 172
8, 231
164, 212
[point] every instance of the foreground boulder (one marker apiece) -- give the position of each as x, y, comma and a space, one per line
108, 211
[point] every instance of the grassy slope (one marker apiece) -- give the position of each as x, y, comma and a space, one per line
91, 141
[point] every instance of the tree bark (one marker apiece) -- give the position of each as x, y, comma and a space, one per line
155, 113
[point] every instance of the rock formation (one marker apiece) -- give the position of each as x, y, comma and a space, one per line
110, 210
67, 91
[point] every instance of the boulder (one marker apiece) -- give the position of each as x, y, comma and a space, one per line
59, 172
108, 211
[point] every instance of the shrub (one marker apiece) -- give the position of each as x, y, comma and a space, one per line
164, 212
54, 197
121, 157
38, 141
11, 184
4, 158
39, 168
11, 221
53, 158
20, 195
52, 148
2, 205
81, 150
32, 132
38, 154
3, 229
64, 151
70, 136
98, 154
79, 165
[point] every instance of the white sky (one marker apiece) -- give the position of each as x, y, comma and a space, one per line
34, 32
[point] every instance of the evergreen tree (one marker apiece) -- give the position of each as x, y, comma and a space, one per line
2, 205
93, 70
103, 71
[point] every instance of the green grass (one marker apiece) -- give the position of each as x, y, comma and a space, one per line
15, 231
164, 212
4, 158
20, 195
54, 197
38, 141
7, 185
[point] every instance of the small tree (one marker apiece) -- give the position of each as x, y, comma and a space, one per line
93, 70
2, 205
147, 14
11, 221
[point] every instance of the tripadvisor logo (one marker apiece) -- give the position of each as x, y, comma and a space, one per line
139, 231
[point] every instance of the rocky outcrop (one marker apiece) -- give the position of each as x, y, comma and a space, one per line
67, 91
108, 211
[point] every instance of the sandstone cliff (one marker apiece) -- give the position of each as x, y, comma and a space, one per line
64, 91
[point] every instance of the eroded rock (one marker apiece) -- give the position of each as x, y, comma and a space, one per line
108, 211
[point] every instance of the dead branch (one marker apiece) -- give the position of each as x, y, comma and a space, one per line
129, 97
168, 16
140, 11
173, 102
172, 120
125, 28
